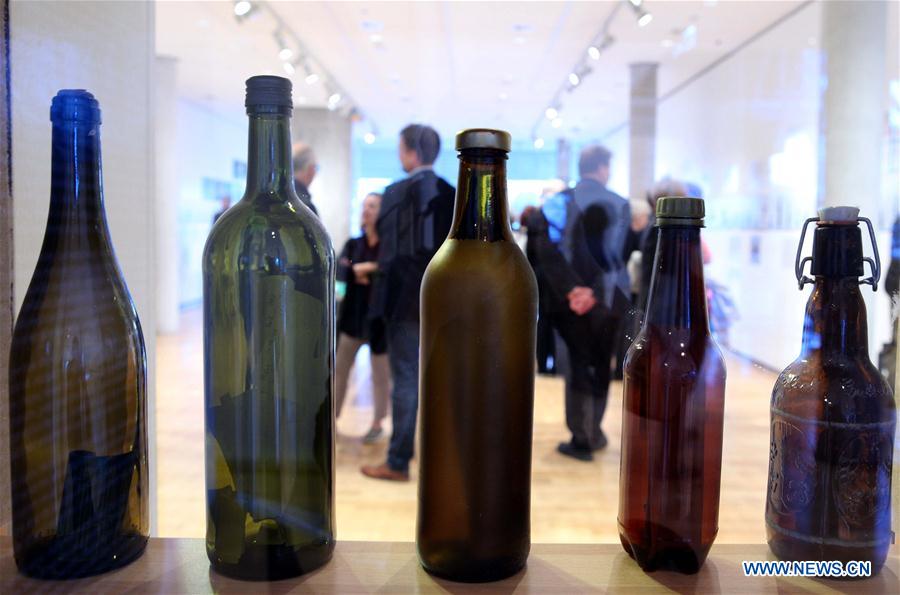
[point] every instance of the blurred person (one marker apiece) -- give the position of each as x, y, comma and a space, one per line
357, 266
224, 205
631, 321
587, 285
665, 187
305, 169
552, 200
415, 219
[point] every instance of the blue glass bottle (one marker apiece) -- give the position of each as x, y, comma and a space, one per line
78, 378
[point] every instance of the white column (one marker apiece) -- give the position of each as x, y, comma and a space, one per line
329, 134
854, 49
563, 160
166, 203
642, 130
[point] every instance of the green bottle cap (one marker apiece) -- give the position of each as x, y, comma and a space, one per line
483, 138
680, 210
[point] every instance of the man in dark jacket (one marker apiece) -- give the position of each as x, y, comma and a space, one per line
586, 277
416, 214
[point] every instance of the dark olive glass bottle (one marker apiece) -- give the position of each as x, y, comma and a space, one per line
479, 316
833, 416
672, 415
78, 378
268, 306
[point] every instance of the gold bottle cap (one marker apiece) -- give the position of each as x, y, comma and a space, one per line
483, 138
680, 210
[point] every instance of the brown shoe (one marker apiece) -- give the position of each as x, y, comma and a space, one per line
382, 471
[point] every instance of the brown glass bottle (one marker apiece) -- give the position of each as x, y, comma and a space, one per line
833, 418
673, 408
479, 313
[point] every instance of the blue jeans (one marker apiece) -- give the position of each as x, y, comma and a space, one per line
403, 352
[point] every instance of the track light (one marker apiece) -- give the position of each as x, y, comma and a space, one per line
289, 68
574, 79
644, 18
551, 113
538, 143
369, 138
333, 100
242, 8
594, 52
556, 123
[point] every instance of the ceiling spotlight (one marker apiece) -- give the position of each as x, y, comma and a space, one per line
312, 78
333, 100
242, 8
289, 68
636, 3
557, 122
284, 50
369, 138
594, 52
551, 113
644, 18
538, 143
574, 79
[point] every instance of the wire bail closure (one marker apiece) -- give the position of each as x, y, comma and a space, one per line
874, 264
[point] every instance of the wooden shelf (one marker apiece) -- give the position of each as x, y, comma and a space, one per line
180, 566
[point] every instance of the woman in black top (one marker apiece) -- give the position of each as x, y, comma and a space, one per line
356, 266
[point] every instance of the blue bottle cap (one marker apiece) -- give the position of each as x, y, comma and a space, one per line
75, 105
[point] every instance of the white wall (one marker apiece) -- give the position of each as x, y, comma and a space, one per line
748, 132
207, 144
106, 48
328, 133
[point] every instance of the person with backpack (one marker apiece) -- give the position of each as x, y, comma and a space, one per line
415, 219
584, 273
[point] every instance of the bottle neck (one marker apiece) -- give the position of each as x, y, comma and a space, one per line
76, 188
269, 167
835, 323
481, 211
677, 291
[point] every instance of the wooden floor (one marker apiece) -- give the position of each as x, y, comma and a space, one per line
572, 502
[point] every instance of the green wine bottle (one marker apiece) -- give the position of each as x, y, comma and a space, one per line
269, 332
77, 378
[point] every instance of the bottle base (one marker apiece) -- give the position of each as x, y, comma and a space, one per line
676, 556
274, 562
52, 559
468, 570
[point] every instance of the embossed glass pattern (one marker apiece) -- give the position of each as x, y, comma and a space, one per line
833, 422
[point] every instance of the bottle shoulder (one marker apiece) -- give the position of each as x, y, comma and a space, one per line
279, 229
468, 257
675, 351
845, 390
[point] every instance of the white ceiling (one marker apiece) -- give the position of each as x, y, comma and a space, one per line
456, 64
